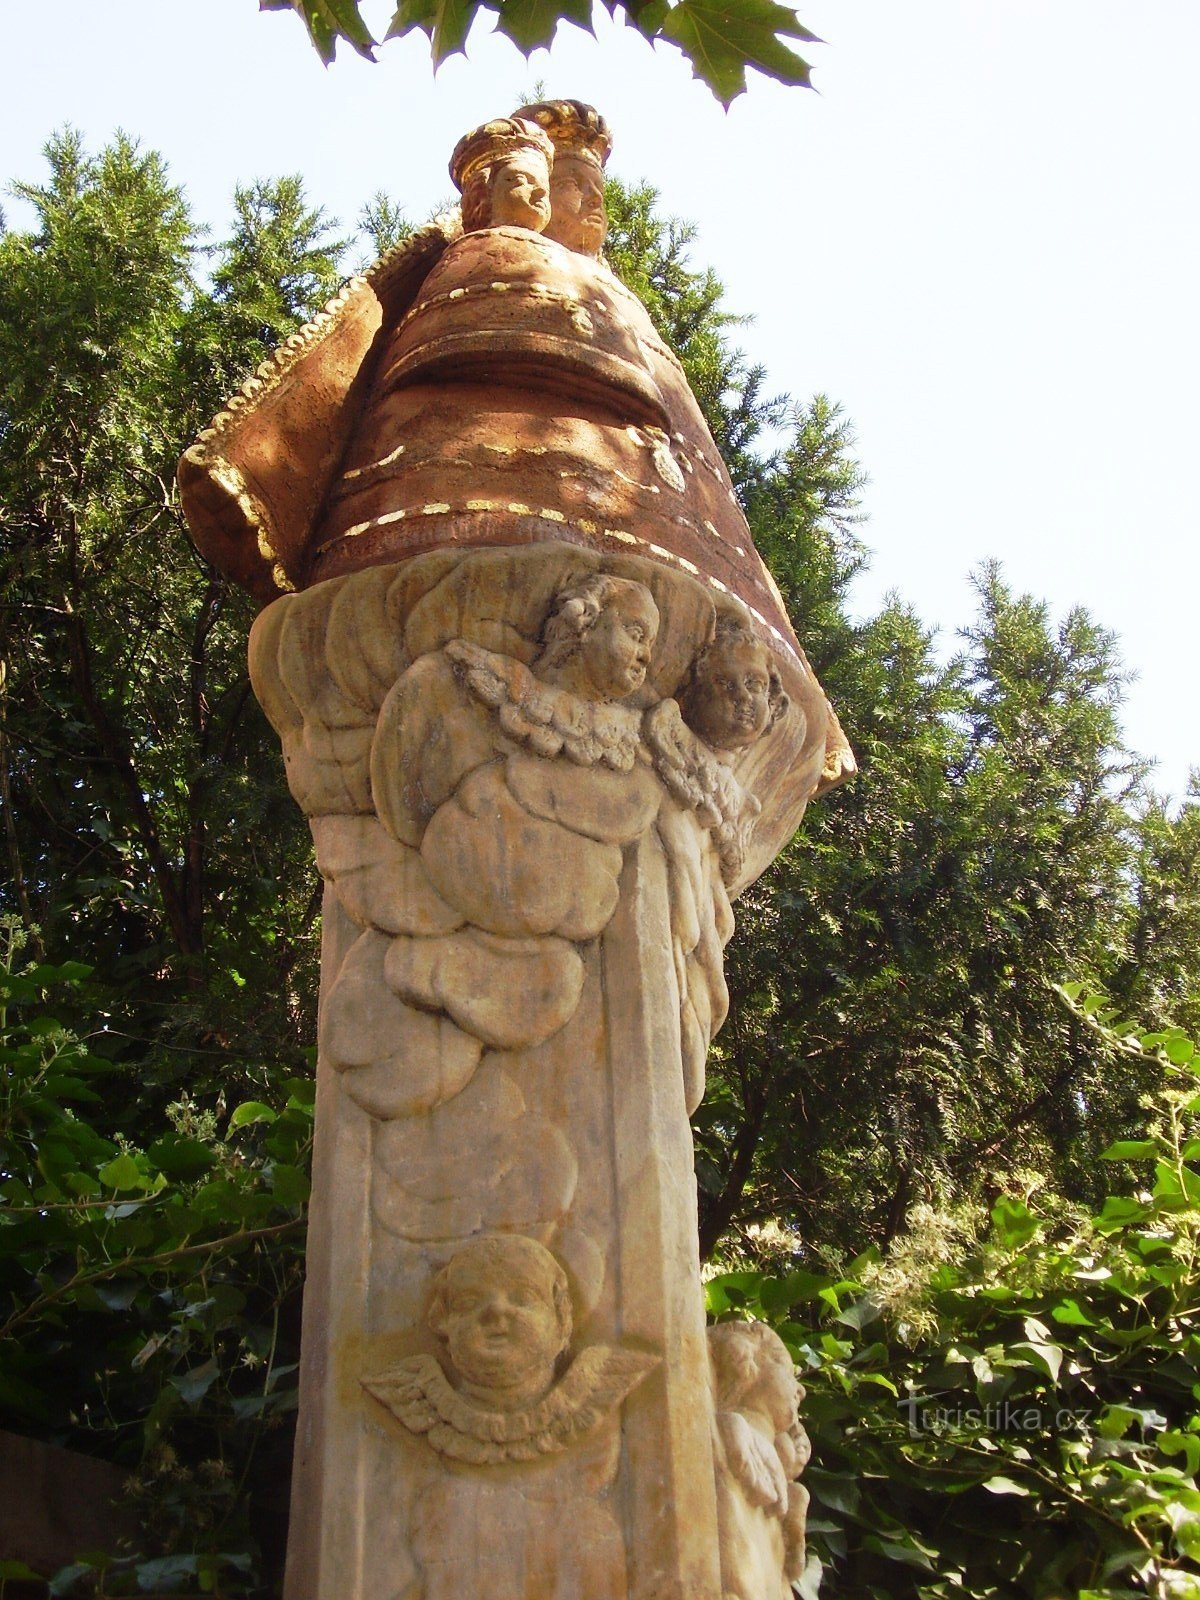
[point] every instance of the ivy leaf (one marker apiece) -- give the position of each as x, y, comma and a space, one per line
289, 1185
194, 1385
859, 1314
722, 38
251, 1111
1048, 1356
894, 1550
1172, 1442
181, 1158
122, 1173
1071, 1314
1012, 1222
530, 23
1002, 1485
1130, 1150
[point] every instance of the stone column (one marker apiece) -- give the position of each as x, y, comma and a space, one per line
504, 1325
541, 704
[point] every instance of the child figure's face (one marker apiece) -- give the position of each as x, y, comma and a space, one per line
501, 1329
615, 652
577, 217
519, 190
733, 706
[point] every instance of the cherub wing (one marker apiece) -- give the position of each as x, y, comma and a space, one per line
680, 760
405, 1390
698, 780
753, 1461
544, 718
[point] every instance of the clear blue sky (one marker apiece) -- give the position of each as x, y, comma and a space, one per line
981, 237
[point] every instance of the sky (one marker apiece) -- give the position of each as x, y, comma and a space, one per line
980, 237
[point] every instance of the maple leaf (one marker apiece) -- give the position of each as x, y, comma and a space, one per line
722, 38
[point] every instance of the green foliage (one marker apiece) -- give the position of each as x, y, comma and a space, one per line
894, 1035
721, 38
384, 223
145, 1290
1008, 1404
149, 1247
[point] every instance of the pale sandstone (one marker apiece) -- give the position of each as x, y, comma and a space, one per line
541, 702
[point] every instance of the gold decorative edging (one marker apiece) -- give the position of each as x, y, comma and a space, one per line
270, 373
583, 525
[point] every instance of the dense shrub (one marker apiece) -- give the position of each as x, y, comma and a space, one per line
1007, 1405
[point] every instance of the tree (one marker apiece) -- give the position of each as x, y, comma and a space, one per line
158, 867
895, 1036
128, 722
1159, 976
721, 38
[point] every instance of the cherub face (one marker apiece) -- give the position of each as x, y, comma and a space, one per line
502, 1329
577, 217
519, 192
732, 707
779, 1392
616, 650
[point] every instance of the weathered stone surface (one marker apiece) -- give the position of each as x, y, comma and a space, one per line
612, 808
761, 1449
540, 700
484, 1159
474, 977
382, 884
509, 871
398, 1061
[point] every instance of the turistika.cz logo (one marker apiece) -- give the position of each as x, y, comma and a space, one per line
925, 1415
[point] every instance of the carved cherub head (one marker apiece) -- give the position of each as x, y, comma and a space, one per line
582, 144
503, 172
503, 1307
733, 693
753, 1373
599, 638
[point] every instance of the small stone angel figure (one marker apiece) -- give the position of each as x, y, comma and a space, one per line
761, 1448
596, 647
504, 1392
732, 696
501, 1309
734, 693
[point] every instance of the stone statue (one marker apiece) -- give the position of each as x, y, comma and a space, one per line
734, 692
501, 1307
502, 171
761, 1450
540, 701
580, 137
